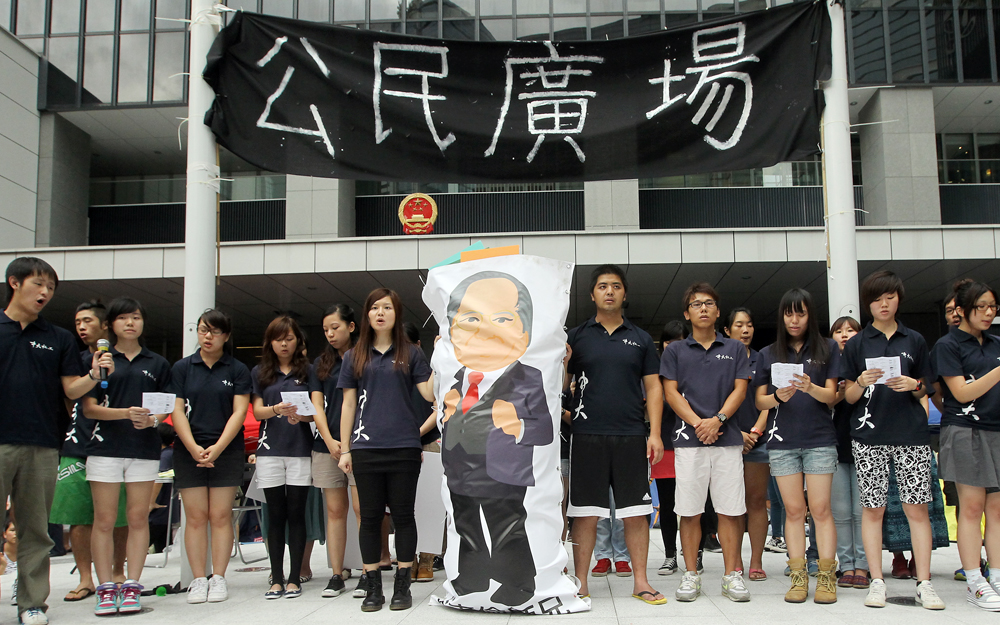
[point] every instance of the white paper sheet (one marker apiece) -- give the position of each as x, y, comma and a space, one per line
782, 374
889, 366
159, 403
299, 399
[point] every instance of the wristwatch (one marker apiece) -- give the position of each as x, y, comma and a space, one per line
754, 430
721, 416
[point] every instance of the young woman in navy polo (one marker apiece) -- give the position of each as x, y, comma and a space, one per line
213, 392
800, 437
338, 327
284, 449
380, 438
967, 359
124, 447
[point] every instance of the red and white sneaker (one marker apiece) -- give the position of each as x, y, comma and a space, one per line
107, 599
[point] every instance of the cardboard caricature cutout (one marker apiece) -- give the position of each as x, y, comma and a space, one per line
498, 376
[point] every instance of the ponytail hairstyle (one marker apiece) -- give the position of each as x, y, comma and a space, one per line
968, 292
330, 356
366, 336
800, 301
269, 365
215, 318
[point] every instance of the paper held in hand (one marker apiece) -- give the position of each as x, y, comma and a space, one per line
782, 374
300, 399
159, 403
889, 366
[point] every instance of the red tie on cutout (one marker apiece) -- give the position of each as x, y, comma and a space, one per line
472, 395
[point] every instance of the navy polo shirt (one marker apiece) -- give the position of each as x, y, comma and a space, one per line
959, 354
609, 397
705, 377
80, 427
802, 422
333, 400
747, 414
278, 437
883, 416
385, 417
209, 393
146, 373
32, 363
843, 413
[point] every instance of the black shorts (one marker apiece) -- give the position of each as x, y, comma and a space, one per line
227, 472
597, 463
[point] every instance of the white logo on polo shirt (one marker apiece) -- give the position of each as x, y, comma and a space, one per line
227, 383
909, 357
149, 375
581, 383
970, 410
646, 497
38, 345
632, 343
724, 357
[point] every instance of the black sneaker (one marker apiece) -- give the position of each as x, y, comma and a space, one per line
700, 567
362, 590
438, 563
334, 587
712, 544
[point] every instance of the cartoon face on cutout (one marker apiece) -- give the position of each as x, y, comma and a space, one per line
490, 317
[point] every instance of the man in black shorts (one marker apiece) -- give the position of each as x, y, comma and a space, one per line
617, 383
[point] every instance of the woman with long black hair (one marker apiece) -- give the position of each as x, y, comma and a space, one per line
284, 450
380, 438
801, 440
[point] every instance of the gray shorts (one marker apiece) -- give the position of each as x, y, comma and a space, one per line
970, 456
815, 461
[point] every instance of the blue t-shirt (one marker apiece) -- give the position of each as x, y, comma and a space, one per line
118, 438
333, 400
32, 361
609, 396
706, 378
209, 394
802, 422
746, 415
959, 354
883, 416
278, 437
385, 417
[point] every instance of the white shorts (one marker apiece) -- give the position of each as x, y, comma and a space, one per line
118, 470
700, 469
283, 471
327, 474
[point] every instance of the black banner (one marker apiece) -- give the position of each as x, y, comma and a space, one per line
312, 99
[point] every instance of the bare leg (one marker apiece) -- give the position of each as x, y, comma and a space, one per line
690, 539
637, 541
79, 536
794, 498
220, 515
137, 511
336, 527
731, 539
921, 538
970, 531
819, 487
195, 502
755, 479
306, 569
871, 536
105, 513
584, 539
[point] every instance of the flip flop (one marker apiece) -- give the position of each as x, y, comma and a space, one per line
74, 595
641, 596
758, 575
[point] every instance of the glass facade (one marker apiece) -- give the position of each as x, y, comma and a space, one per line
968, 158
171, 189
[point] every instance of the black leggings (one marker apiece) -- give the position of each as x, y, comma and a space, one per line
668, 520
398, 490
286, 505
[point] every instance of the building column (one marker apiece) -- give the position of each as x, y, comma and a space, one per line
611, 205
318, 207
899, 158
61, 216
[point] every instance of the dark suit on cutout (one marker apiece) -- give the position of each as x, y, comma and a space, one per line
489, 470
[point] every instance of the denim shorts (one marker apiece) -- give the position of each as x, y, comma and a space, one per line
818, 460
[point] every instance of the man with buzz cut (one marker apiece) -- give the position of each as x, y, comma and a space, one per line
705, 379
615, 365
39, 364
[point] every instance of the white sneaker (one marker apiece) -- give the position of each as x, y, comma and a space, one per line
776, 545
928, 597
876, 594
198, 590
734, 587
218, 589
690, 587
33, 616
982, 595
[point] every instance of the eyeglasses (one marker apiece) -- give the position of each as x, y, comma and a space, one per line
205, 331
949, 311
709, 304
472, 320
982, 308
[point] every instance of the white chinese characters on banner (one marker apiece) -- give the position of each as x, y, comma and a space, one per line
498, 379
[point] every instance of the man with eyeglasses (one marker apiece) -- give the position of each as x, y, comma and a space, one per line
704, 381
615, 364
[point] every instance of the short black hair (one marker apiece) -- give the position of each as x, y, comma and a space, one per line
215, 318
698, 287
95, 305
732, 315
412, 332
968, 293
608, 269
673, 330
167, 435
123, 306
524, 308
878, 284
24, 266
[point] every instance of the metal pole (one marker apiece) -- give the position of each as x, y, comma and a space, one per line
838, 180
202, 178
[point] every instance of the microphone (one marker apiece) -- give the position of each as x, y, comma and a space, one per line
103, 346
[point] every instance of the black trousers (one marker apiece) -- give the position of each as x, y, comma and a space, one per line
398, 490
511, 562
